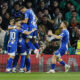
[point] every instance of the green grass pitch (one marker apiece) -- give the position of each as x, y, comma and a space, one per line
40, 76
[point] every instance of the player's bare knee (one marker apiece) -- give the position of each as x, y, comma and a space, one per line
12, 57
54, 56
54, 59
59, 59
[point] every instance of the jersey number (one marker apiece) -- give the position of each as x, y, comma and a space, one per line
12, 35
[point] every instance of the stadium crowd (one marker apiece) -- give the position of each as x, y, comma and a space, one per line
50, 14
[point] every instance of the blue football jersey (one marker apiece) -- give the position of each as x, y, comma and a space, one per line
64, 44
13, 40
30, 15
65, 39
13, 35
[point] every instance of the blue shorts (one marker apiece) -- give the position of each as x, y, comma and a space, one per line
60, 52
21, 49
12, 48
34, 34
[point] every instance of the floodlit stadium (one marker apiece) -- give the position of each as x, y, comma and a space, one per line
39, 39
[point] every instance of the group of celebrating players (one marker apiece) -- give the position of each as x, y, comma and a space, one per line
21, 32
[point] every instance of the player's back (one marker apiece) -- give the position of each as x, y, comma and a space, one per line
31, 16
65, 38
13, 35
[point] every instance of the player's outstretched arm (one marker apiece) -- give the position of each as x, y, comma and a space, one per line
55, 36
29, 32
10, 28
24, 21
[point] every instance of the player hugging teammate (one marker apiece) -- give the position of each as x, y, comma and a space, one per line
20, 34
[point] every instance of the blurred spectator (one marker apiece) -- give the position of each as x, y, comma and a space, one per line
5, 21
48, 23
68, 15
0, 21
15, 12
39, 15
74, 22
20, 2
2, 34
41, 6
58, 20
76, 16
67, 7
46, 12
73, 37
4, 8
76, 4
63, 4
52, 8
56, 12
42, 32
29, 5
6, 38
55, 4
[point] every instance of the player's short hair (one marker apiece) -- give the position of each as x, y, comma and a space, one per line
66, 23
17, 20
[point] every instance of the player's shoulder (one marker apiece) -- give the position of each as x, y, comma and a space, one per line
28, 11
65, 31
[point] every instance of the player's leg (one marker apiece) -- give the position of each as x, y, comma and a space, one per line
15, 61
54, 60
28, 63
53, 65
22, 52
31, 46
35, 41
29, 43
9, 63
36, 45
12, 53
62, 52
67, 67
22, 62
